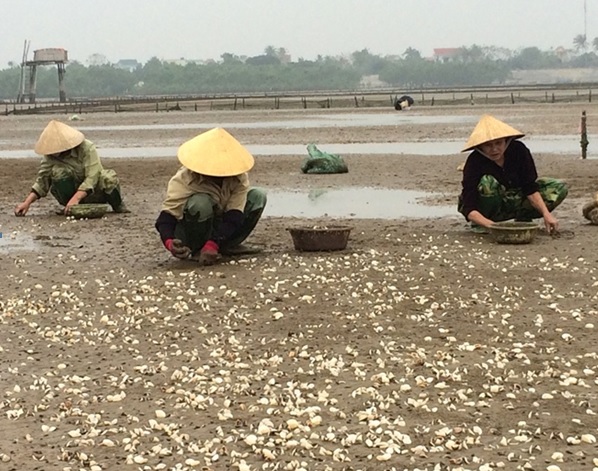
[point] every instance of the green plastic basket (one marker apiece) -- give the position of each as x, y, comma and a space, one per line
88, 211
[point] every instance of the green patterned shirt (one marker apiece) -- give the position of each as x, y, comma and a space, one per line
83, 161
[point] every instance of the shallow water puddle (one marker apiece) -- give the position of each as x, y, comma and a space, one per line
310, 121
17, 242
359, 203
567, 145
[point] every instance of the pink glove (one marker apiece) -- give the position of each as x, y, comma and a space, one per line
208, 254
176, 248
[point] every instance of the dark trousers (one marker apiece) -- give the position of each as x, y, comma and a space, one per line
202, 216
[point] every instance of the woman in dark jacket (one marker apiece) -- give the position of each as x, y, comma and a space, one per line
500, 180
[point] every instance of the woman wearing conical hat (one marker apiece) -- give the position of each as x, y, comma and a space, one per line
209, 207
500, 180
71, 171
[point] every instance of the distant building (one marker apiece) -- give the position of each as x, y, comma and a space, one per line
127, 64
394, 57
563, 54
371, 81
285, 58
446, 54
97, 59
553, 76
182, 61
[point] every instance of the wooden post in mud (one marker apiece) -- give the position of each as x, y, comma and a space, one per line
235, 104
304, 101
356, 102
584, 136
590, 96
512, 99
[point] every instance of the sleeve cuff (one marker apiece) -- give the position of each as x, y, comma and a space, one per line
166, 225
37, 190
87, 190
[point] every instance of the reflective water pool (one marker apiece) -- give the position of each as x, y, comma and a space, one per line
309, 121
566, 145
15, 242
360, 203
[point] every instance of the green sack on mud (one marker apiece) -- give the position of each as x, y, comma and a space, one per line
323, 162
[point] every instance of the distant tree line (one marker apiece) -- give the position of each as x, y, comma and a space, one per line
272, 72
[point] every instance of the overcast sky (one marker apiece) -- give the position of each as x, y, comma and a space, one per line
201, 29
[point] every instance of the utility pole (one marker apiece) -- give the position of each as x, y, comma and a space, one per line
585, 19
21, 95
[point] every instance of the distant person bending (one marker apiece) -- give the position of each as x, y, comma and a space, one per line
209, 207
72, 172
500, 180
404, 103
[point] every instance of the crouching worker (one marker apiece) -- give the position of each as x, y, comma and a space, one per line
404, 103
209, 208
500, 180
72, 172
590, 210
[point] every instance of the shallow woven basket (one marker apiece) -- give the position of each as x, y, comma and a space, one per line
320, 238
514, 232
88, 211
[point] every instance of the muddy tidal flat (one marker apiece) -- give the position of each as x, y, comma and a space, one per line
421, 346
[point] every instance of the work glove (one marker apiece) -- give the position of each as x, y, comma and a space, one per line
177, 248
208, 255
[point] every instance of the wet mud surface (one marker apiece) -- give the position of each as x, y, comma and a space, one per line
420, 346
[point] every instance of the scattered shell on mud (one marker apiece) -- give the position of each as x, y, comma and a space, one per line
344, 361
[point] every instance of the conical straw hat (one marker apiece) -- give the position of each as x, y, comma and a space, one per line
488, 129
215, 153
58, 137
